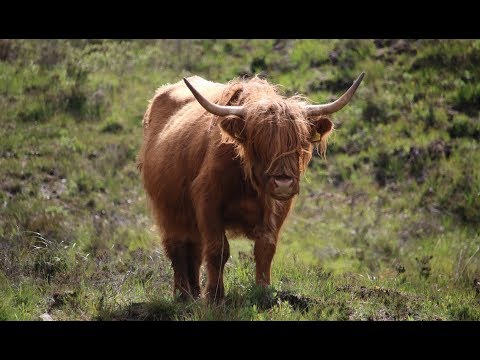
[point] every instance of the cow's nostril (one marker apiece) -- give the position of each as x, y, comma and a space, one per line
284, 183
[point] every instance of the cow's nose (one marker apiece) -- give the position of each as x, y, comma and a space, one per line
283, 184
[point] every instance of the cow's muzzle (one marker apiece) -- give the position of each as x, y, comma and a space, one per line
284, 188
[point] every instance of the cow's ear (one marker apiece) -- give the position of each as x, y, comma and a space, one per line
234, 126
321, 129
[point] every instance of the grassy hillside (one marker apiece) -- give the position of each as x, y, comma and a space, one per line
387, 227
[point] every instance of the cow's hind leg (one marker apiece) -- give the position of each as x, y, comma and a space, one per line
177, 251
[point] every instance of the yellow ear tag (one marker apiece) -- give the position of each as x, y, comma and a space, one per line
316, 137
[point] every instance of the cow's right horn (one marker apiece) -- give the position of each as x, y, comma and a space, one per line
214, 108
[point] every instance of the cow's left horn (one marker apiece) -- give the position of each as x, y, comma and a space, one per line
332, 107
214, 108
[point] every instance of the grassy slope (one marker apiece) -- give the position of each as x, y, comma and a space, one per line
385, 228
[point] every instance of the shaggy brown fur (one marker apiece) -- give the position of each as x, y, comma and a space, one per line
206, 175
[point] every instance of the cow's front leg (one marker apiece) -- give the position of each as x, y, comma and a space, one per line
264, 250
216, 249
216, 256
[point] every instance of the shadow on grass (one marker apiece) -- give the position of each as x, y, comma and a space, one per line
158, 310
266, 298
229, 309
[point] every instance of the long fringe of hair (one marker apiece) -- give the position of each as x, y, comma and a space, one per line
267, 112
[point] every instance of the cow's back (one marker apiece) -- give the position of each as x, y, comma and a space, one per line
171, 99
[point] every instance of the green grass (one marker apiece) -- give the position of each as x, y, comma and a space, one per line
386, 228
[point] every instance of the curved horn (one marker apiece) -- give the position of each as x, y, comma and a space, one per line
214, 108
332, 107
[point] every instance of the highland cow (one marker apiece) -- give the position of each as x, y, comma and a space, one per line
226, 159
